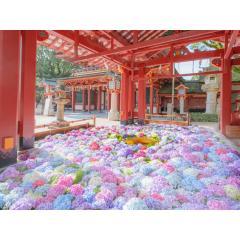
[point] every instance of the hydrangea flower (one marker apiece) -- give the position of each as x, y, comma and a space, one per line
2, 201
188, 168
135, 204
24, 203
76, 190
63, 202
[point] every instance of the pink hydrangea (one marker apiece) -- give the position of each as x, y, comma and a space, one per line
107, 148
110, 178
192, 157
181, 198
216, 190
38, 183
157, 196
56, 191
140, 153
105, 194
217, 205
66, 181
120, 190
169, 168
94, 146
76, 190
209, 143
220, 151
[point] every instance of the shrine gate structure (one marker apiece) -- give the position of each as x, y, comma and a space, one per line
139, 57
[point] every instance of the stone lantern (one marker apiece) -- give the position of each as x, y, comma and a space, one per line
114, 89
181, 94
60, 100
211, 87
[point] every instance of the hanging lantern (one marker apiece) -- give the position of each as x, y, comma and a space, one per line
217, 62
114, 85
42, 35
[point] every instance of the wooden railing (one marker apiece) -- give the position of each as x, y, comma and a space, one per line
44, 129
178, 119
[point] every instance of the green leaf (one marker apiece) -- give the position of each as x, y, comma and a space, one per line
78, 177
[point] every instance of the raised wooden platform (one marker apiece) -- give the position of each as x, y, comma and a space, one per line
173, 119
233, 131
42, 131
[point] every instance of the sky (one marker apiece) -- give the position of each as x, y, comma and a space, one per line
191, 67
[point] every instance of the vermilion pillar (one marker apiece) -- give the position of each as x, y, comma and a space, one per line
141, 97
118, 102
151, 98
131, 100
95, 98
9, 98
226, 89
99, 99
157, 102
104, 100
83, 99
124, 97
73, 99
28, 90
89, 99
109, 101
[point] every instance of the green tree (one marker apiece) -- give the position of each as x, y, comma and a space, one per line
211, 44
50, 67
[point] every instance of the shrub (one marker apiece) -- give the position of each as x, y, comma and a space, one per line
203, 117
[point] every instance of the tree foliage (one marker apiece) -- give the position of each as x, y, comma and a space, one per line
211, 44
51, 67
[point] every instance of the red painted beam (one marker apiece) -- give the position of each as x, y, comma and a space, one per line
235, 61
186, 74
213, 36
87, 44
167, 41
182, 58
116, 36
231, 44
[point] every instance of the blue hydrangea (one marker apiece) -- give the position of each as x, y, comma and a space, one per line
119, 202
146, 170
190, 183
42, 190
45, 206
63, 202
89, 196
153, 204
135, 204
2, 201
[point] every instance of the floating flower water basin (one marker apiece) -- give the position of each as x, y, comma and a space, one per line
118, 168
142, 140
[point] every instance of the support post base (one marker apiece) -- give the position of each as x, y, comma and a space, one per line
124, 122
141, 121
26, 143
8, 158
113, 116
